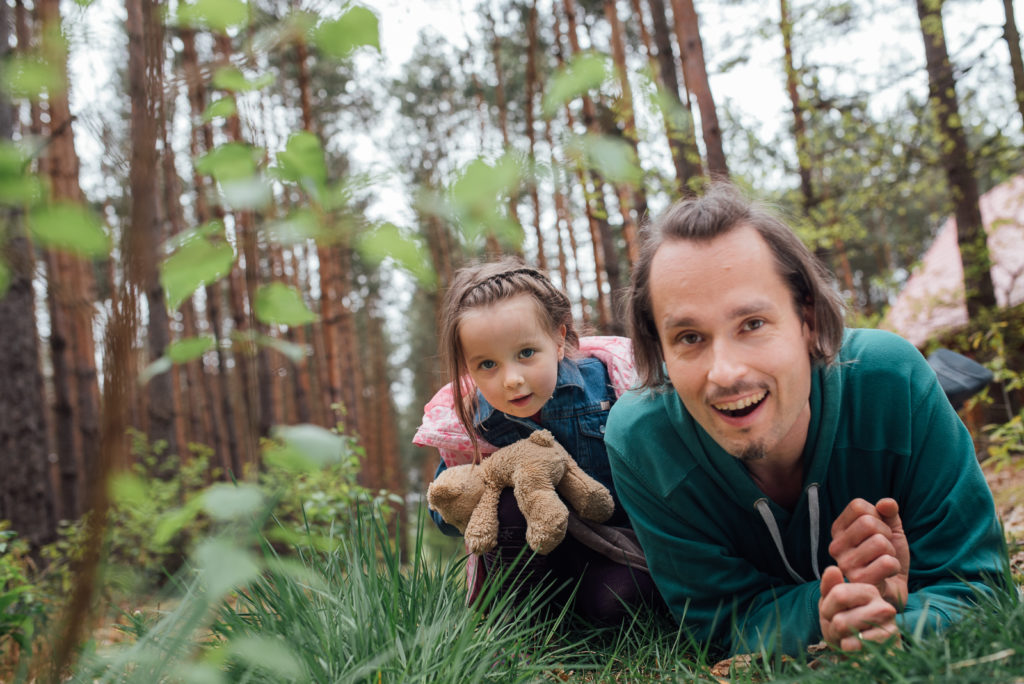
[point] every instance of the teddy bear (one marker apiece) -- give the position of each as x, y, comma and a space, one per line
538, 469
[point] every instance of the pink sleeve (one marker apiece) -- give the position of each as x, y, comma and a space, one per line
442, 430
617, 355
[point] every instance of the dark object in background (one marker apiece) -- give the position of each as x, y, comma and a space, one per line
960, 377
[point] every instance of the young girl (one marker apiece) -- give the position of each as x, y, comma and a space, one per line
507, 333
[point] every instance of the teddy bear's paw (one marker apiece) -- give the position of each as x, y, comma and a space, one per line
543, 537
597, 506
480, 542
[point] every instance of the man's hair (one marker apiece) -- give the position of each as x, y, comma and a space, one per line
485, 284
702, 219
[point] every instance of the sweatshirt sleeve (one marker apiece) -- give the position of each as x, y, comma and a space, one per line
957, 550
714, 593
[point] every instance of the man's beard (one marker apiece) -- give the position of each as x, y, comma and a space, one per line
752, 452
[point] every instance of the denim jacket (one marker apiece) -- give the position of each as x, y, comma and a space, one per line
575, 414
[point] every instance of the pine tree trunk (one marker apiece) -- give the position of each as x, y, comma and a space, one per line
75, 280
26, 496
531, 88
1012, 36
682, 138
691, 54
799, 126
957, 161
146, 231
201, 140
493, 247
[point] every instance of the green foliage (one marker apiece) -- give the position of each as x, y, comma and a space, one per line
281, 304
221, 108
30, 76
389, 241
69, 226
20, 606
357, 27
203, 256
586, 72
232, 79
612, 157
218, 15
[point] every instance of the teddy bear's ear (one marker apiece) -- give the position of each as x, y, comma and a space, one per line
542, 438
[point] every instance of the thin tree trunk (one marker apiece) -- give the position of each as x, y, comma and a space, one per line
1012, 36
799, 126
146, 232
679, 123
26, 496
202, 140
74, 277
531, 88
956, 160
635, 202
493, 248
691, 54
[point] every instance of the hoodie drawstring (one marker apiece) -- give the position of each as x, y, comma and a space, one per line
814, 514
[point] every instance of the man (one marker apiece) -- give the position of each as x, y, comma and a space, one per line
767, 443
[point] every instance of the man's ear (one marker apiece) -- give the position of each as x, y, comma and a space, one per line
807, 318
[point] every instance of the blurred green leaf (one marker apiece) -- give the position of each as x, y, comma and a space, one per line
176, 520
18, 186
224, 107
302, 160
224, 502
282, 305
583, 73
5, 278
230, 161
614, 158
356, 28
247, 193
219, 15
72, 227
197, 673
31, 76
294, 229
269, 654
129, 489
407, 251
197, 262
155, 368
189, 348
232, 79
223, 566
296, 353
305, 447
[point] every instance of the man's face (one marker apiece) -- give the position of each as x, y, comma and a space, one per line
735, 348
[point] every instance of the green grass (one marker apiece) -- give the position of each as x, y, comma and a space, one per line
359, 613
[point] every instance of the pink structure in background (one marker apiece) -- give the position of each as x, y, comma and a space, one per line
933, 298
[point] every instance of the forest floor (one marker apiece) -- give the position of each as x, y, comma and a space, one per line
1007, 485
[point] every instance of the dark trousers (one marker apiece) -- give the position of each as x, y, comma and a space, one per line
607, 591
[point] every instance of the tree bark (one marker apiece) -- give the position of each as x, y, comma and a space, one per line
681, 134
799, 125
1012, 36
531, 134
957, 161
691, 54
145, 78
26, 496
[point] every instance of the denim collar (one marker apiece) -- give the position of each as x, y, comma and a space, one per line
569, 377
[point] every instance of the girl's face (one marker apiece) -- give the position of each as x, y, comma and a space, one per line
511, 355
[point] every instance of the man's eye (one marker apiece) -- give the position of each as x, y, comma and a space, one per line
527, 353
487, 365
754, 324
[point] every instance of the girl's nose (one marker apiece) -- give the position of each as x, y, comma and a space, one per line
513, 379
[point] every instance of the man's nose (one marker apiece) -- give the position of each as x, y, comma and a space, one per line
727, 364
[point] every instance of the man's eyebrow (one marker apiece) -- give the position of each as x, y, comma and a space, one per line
759, 306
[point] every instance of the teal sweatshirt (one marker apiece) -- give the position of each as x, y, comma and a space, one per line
880, 426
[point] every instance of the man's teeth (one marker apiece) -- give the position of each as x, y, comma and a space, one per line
742, 403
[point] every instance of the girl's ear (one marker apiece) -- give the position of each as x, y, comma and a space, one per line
561, 341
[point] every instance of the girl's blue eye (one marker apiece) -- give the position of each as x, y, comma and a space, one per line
527, 353
487, 365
